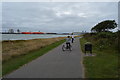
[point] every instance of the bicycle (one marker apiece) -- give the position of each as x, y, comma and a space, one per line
65, 47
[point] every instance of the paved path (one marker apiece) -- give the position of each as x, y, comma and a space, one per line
54, 64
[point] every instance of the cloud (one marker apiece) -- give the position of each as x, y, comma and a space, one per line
56, 17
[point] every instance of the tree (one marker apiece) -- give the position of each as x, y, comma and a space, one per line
104, 26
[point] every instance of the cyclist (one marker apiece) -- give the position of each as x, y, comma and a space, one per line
68, 41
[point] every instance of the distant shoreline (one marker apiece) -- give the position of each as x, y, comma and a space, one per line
11, 37
44, 33
10, 33
16, 36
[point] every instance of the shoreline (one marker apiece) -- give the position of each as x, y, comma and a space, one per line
26, 39
10, 37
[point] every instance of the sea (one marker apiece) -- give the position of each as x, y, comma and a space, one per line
29, 36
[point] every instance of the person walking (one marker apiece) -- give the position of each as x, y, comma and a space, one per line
72, 38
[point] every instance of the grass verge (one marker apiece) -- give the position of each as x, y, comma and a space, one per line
16, 62
103, 65
13, 48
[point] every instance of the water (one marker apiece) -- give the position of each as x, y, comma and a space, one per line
28, 36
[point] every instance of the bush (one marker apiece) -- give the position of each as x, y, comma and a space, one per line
104, 40
105, 35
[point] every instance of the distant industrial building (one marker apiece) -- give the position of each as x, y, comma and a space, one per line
32, 32
51, 33
10, 31
78, 33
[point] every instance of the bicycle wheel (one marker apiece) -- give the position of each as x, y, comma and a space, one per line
63, 47
70, 48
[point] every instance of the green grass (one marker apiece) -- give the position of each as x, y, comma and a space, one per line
19, 61
103, 65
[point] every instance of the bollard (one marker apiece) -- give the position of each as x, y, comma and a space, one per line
88, 47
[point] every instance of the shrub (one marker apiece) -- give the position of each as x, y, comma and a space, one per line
104, 40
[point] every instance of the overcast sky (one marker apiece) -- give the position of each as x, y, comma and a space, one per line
56, 16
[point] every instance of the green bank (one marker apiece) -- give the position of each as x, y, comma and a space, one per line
18, 61
106, 48
103, 65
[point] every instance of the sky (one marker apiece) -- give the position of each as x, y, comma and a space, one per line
56, 16
60, 0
